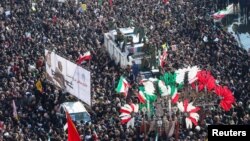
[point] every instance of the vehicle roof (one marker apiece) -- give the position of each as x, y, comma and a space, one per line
74, 107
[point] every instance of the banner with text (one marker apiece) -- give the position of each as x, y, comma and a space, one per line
68, 76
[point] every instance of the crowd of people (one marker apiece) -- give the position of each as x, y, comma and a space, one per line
27, 27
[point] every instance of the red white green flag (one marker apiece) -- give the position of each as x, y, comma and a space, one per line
222, 13
123, 86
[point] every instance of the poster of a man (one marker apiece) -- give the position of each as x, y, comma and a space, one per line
58, 76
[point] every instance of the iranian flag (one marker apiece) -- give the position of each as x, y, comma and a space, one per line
144, 97
166, 90
123, 86
222, 13
141, 97
173, 93
127, 114
163, 89
85, 57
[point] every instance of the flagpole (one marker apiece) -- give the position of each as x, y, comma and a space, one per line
169, 104
170, 112
144, 126
90, 82
89, 63
205, 94
148, 108
78, 82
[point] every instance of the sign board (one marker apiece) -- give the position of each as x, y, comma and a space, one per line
68, 76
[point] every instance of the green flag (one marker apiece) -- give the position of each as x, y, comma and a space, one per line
150, 99
100, 2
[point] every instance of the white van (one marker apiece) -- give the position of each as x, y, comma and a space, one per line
76, 110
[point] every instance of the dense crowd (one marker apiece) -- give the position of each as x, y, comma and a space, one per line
27, 29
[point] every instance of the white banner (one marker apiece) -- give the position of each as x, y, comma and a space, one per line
68, 76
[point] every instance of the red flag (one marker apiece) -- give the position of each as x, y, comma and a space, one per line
163, 58
95, 136
72, 131
165, 1
110, 3
54, 19
1, 125
82, 58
